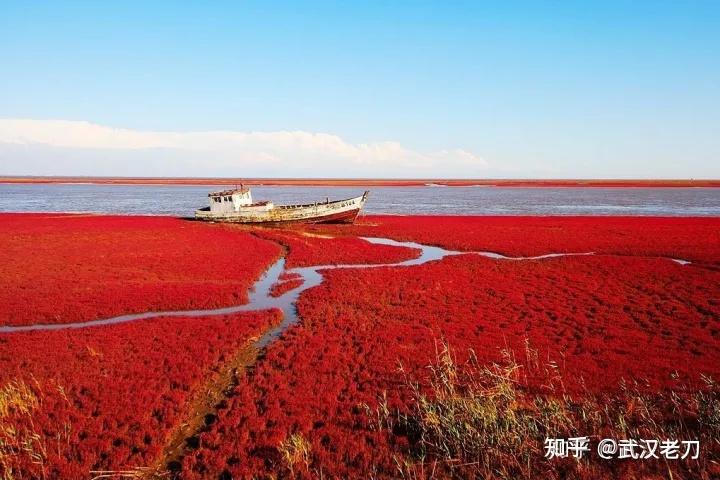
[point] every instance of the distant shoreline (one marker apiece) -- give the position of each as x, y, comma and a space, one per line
540, 183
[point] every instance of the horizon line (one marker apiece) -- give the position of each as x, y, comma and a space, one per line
354, 181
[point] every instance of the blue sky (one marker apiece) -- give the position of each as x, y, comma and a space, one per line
475, 89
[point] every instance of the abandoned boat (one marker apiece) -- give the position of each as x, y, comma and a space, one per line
237, 206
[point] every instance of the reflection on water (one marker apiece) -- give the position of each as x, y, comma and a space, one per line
183, 200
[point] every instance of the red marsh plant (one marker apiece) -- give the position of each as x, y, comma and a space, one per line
691, 238
307, 250
474, 420
107, 398
85, 267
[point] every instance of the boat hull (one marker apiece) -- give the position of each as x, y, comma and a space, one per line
340, 211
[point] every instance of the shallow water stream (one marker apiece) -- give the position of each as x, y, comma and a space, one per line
260, 298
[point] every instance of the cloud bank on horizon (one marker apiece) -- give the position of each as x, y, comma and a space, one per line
64, 147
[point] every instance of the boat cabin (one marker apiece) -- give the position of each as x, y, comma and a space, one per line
235, 200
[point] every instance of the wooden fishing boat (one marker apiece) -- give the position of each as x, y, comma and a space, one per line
237, 206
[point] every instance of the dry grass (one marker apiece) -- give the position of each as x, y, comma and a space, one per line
20, 444
24, 447
139, 473
475, 421
16, 397
296, 451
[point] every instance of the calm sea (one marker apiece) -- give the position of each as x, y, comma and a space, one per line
183, 200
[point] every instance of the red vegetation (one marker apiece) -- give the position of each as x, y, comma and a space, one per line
696, 239
109, 396
287, 281
310, 250
592, 316
69, 268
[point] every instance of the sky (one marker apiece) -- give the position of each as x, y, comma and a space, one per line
537, 89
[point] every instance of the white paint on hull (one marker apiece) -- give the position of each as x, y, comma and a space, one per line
339, 210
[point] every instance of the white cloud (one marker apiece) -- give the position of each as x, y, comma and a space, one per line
62, 147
